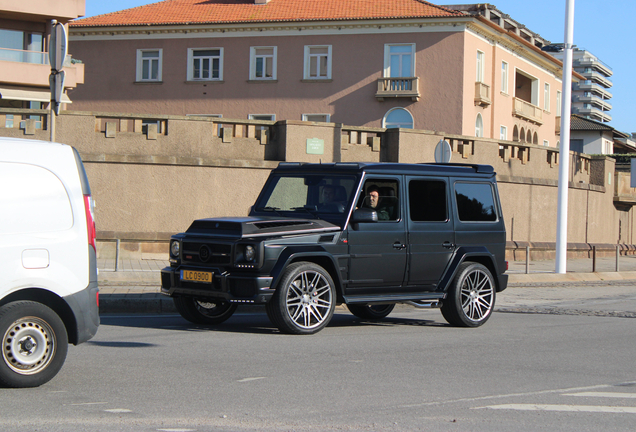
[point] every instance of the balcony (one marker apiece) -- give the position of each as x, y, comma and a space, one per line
482, 94
527, 111
598, 78
31, 68
594, 100
593, 87
593, 113
398, 87
594, 63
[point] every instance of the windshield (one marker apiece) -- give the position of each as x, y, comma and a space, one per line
321, 195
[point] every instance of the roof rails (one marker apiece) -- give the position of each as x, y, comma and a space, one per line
486, 169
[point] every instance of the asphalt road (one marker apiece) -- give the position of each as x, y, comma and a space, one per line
520, 371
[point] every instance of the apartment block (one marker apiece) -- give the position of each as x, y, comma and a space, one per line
380, 64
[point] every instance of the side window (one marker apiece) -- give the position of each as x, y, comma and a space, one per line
149, 65
381, 195
427, 201
475, 202
317, 62
263, 63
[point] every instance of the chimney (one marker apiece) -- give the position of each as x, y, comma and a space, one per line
261, 2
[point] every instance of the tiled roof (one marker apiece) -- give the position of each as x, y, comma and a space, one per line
245, 11
581, 123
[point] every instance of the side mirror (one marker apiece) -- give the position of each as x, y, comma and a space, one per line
364, 215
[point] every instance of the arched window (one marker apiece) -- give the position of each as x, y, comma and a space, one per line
522, 135
479, 126
535, 139
515, 133
398, 118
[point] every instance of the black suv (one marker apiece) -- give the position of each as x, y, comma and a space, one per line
368, 235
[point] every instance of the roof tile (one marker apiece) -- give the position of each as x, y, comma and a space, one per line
177, 12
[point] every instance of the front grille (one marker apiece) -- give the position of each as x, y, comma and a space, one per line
207, 253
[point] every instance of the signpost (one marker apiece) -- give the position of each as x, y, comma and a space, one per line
58, 47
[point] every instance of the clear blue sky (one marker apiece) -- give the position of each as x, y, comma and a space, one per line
603, 27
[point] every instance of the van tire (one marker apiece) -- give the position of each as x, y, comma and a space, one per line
34, 344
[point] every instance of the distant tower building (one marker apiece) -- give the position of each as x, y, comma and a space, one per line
590, 98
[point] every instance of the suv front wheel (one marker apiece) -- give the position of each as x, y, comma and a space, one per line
471, 296
304, 300
204, 311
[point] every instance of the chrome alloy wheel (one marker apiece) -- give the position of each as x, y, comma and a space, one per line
309, 299
28, 346
477, 295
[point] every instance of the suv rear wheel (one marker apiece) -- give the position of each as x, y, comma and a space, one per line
34, 344
304, 301
471, 296
371, 312
204, 311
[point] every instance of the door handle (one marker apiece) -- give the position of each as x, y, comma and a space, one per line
448, 245
399, 246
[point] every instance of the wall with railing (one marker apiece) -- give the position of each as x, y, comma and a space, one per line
152, 175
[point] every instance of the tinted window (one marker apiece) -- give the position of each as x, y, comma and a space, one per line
427, 201
475, 202
382, 196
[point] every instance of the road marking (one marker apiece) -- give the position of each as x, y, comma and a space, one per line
118, 410
251, 379
176, 430
604, 394
88, 403
563, 408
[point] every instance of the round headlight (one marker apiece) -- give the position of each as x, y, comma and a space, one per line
174, 248
249, 253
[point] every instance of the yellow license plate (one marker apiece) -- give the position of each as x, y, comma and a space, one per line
196, 276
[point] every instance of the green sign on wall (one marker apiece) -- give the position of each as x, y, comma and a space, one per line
315, 146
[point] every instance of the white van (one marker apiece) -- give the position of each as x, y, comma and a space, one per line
48, 269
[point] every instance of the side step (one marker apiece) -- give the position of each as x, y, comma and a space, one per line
425, 304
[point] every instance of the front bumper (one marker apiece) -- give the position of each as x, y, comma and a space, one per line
234, 288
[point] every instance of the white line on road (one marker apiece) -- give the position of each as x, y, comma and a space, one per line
118, 410
176, 430
251, 379
604, 394
563, 408
88, 403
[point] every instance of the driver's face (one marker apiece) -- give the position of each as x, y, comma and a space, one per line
374, 198
327, 195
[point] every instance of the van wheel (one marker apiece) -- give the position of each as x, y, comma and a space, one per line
34, 344
372, 312
471, 297
204, 311
304, 300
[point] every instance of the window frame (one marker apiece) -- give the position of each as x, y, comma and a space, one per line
327, 117
480, 66
387, 60
503, 133
479, 133
253, 61
253, 117
546, 97
504, 77
140, 62
307, 62
384, 123
191, 58
559, 103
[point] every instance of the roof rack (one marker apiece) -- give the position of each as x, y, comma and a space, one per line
480, 168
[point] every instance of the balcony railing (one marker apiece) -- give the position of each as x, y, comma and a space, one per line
527, 111
482, 94
33, 57
398, 87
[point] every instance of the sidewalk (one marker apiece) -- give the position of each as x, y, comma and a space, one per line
135, 287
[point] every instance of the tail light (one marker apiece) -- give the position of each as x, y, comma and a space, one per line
89, 207
506, 265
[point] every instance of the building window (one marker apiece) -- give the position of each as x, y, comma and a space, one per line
504, 77
546, 143
558, 103
527, 87
266, 117
263, 63
205, 64
149, 65
480, 67
399, 60
8, 122
317, 62
503, 133
397, 118
322, 118
546, 97
479, 126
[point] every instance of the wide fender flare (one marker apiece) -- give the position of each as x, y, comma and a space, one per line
466, 253
297, 253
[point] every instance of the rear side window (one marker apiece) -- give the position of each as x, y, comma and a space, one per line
427, 201
32, 199
475, 202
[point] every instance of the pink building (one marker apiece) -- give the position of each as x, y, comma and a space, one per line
382, 63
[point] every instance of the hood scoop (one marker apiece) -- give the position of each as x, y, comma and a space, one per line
280, 224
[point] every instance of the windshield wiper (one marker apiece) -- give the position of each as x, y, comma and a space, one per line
272, 209
308, 210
